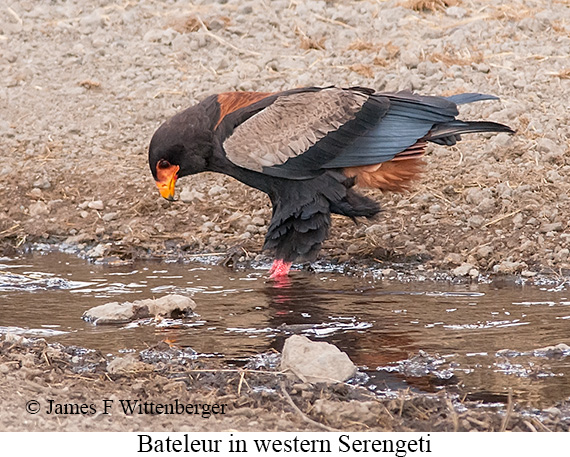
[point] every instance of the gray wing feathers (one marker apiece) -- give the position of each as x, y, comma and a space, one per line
461, 99
410, 118
290, 126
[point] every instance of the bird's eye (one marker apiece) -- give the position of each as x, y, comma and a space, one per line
163, 164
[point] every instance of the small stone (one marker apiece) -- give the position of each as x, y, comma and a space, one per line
91, 22
245, 236
563, 254
84, 214
435, 208
410, 59
36, 193
482, 67
520, 83
375, 230
484, 252
508, 267
130, 364
453, 258
216, 190
476, 221
463, 270
258, 221
96, 205
553, 176
246, 9
353, 248
316, 361
487, 205
189, 195
456, 12
552, 411
474, 273
42, 183
553, 227
547, 145
109, 217
475, 195
38, 209
98, 251
518, 220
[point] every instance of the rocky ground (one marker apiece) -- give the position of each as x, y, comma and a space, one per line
85, 88
256, 398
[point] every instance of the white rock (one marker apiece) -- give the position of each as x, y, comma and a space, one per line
98, 251
120, 313
316, 361
216, 190
97, 205
189, 195
463, 270
38, 209
109, 216
456, 11
508, 267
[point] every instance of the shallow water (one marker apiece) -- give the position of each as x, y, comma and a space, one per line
481, 339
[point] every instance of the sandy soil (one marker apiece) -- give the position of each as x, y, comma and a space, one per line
86, 87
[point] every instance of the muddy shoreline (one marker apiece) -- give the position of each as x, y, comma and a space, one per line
61, 379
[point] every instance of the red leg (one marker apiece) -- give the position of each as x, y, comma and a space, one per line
279, 269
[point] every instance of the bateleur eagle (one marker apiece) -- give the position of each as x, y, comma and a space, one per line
308, 149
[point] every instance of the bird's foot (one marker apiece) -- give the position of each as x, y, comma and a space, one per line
279, 269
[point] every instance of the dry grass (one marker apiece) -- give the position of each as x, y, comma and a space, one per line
90, 84
461, 57
192, 23
563, 74
430, 5
309, 43
361, 45
390, 52
512, 12
187, 24
364, 70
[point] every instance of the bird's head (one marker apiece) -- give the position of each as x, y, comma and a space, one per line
180, 147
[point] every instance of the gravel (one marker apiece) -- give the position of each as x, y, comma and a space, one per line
86, 86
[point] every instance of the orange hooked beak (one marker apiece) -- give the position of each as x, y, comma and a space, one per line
167, 180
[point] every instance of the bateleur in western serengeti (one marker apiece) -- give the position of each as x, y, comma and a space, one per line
307, 149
